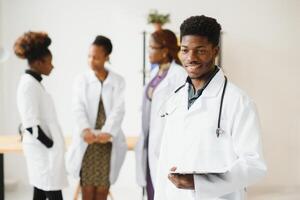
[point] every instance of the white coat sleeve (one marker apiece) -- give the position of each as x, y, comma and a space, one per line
78, 105
249, 166
29, 104
114, 119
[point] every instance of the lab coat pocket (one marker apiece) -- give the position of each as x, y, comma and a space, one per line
27, 138
169, 106
171, 111
35, 152
204, 151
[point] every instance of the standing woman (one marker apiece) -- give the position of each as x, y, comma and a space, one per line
99, 146
163, 51
43, 142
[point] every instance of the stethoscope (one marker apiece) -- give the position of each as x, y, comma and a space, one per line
219, 130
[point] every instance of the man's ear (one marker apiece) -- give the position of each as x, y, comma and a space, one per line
216, 50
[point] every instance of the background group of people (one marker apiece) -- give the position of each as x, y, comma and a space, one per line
173, 114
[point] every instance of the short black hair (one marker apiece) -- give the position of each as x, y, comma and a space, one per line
104, 42
203, 26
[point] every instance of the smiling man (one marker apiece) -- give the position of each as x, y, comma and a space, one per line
211, 147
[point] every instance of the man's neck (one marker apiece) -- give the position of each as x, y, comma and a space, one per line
200, 82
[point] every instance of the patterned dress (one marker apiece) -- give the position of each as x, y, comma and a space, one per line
96, 161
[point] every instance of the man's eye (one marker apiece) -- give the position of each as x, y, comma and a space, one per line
200, 51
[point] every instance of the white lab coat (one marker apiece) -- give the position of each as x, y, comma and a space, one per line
153, 125
87, 91
190, 143
46, 166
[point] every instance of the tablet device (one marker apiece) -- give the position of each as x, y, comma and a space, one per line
200, 171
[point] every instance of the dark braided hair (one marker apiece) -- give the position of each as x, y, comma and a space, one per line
104, 42
203, 26
32, 46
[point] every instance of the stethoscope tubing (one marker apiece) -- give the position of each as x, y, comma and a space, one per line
219, 130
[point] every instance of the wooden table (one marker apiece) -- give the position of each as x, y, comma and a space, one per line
12, 144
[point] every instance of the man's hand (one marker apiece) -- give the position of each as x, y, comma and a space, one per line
182, 181
103, 138
88, 136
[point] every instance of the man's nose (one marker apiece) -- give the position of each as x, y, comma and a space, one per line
191, 56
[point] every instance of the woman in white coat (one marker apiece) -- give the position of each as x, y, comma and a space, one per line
163, 50
99, 147
43, 142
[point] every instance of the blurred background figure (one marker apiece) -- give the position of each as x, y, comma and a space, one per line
99, 147
165, 78
43, 142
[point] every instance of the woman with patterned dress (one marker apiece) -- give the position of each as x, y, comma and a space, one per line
99, 147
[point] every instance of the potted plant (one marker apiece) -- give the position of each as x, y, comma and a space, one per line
157, 19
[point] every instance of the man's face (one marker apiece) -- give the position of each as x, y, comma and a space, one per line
197, 55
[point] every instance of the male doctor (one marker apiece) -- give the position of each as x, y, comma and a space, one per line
211, 147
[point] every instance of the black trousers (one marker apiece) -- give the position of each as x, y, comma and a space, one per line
43, 195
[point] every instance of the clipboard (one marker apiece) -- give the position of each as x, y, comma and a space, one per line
200, 171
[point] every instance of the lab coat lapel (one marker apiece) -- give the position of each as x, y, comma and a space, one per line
166, 81
182, 101
106, 90
215, 85
211, 91
93, 95
161, 85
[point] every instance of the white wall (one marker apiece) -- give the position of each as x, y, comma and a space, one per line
260, 51
261, 56
1, 73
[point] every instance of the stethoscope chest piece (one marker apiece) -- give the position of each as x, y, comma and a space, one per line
219, 132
